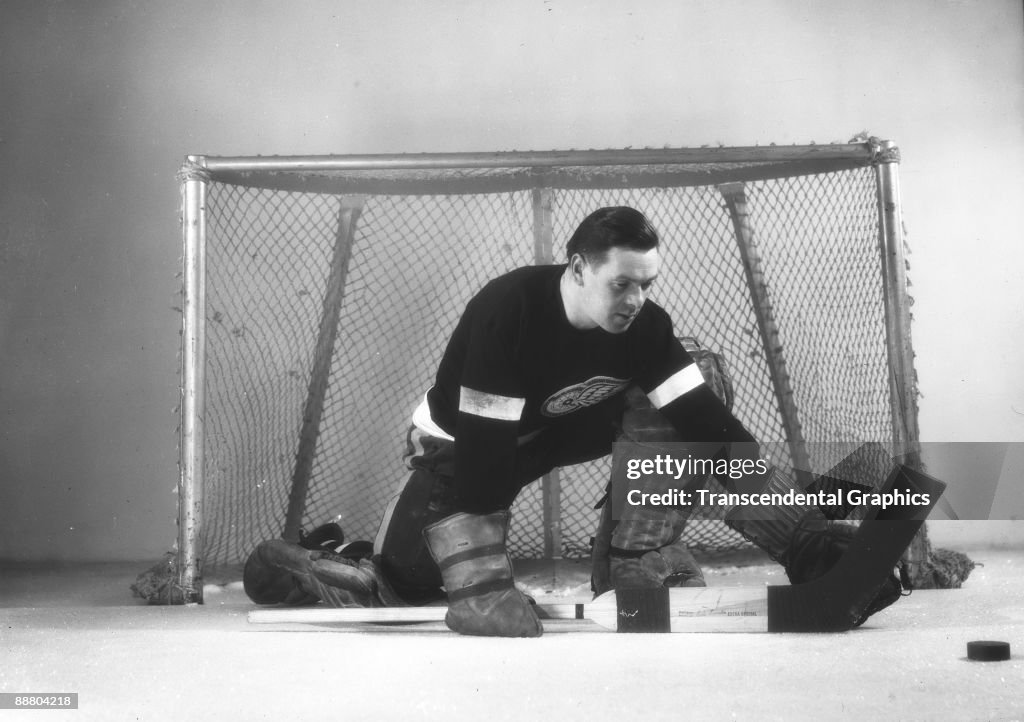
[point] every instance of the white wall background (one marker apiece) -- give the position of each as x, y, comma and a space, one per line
102, 100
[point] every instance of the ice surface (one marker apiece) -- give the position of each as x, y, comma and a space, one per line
78, 630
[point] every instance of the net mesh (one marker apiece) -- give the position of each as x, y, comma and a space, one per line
416, 260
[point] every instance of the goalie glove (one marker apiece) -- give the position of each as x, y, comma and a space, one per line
807, 545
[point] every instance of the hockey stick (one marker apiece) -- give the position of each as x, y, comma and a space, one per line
707, 609
556, 626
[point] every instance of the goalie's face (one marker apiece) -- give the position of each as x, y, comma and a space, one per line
609, 294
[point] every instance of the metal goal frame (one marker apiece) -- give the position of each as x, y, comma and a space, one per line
541, 174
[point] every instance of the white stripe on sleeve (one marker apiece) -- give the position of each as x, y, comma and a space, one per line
490, 406
676, 385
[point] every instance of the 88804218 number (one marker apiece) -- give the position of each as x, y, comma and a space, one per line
36, 700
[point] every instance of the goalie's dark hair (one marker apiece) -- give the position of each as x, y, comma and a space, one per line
611, 227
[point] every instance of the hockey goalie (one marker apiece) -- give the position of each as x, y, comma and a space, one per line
535, 376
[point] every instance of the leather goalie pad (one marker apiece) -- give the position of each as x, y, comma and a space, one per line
268, 583
282, 572
482, 597
817, 546
642, 549
861, 580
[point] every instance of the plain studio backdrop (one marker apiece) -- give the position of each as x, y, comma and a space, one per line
101, 101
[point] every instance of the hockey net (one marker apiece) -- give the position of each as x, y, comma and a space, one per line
405, 248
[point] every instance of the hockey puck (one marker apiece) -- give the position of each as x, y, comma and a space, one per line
988, 651
643, 610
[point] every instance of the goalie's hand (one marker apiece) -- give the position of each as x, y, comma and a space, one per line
817, 545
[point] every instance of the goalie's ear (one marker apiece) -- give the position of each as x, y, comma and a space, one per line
577, 263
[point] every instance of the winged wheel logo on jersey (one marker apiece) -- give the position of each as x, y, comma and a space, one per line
590, 392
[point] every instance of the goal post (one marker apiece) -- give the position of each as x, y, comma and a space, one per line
319, 292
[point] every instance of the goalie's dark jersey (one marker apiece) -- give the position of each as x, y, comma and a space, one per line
515, 367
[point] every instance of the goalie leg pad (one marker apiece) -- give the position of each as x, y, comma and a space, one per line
266, 581
669, 566
808, 544
313, 575
341, 582
799, 537
861, 582
680, 567
482, 597
642, 550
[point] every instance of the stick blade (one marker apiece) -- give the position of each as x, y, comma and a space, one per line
696, 610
